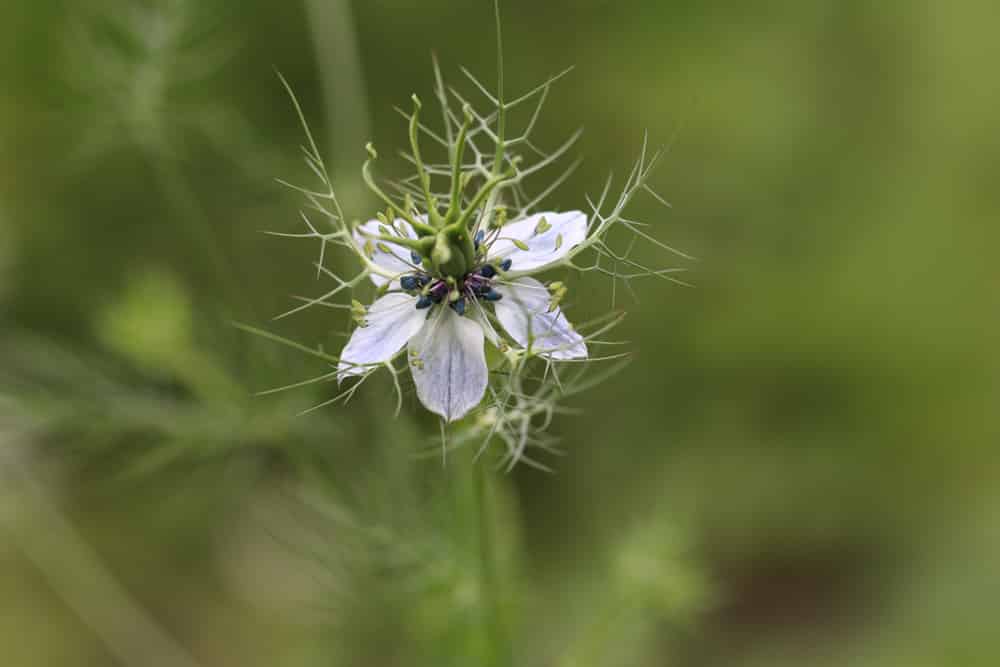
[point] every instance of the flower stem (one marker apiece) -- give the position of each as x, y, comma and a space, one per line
499, 649
487, 643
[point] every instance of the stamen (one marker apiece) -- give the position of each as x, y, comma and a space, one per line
459, 305
409, 283
506, 264
424, 302
488, 271
438, 292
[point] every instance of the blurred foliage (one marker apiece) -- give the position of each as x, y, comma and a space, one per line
801, 468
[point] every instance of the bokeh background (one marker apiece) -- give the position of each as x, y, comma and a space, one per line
800, 468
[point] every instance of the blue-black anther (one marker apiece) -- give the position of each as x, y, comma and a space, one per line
506, 264
416, 258
424, 302
493, 295
459, 306
488, 271
409, 283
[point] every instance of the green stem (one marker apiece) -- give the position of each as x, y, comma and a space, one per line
494, 625
502, 105
489, 189
425, 180
338, 59
455, 206
404, 213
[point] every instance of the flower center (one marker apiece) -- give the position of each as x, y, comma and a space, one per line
473, 286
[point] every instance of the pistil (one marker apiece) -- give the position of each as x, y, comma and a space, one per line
474, 286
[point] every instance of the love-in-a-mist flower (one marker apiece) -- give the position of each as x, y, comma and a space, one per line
445, 297
463, 261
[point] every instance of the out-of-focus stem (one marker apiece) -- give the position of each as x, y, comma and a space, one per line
489, 580
76, 573
338, 60
487, 642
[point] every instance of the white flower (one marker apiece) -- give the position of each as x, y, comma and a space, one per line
444, 325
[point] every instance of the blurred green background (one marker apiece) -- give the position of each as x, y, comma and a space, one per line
800, 468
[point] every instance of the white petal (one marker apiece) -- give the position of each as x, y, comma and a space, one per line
477, 312
449, 364
567, 230
398, 259
524, 313
390, 323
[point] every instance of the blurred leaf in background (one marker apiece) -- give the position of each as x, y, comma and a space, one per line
7, 252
